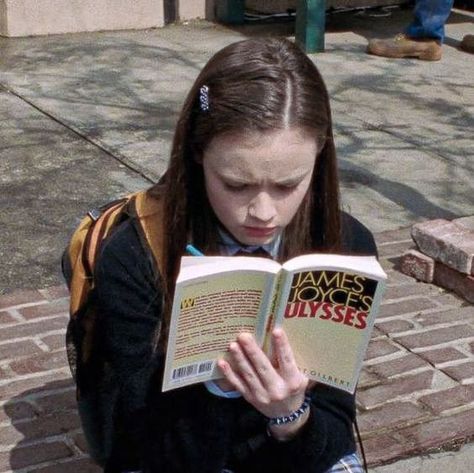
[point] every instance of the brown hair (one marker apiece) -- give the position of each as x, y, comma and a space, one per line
256, 85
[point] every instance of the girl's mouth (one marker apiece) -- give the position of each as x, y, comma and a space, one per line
260, 231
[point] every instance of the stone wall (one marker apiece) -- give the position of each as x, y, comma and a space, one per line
40, 17
444, 255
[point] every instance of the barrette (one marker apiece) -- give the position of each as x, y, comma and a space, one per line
204, 98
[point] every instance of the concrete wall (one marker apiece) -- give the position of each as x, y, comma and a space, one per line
270, 6
189, 9
38, 17
3, 18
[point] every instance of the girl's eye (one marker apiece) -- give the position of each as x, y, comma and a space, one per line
235, 187
287, 187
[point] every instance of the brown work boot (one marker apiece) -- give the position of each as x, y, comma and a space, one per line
403, 46
467, 43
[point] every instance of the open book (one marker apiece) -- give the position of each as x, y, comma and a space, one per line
325, 303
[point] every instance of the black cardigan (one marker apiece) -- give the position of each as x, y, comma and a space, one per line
189, 429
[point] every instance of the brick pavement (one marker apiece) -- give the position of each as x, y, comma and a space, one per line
416, 392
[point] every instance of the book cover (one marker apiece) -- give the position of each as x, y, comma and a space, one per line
328, 315
326, 304
215, 299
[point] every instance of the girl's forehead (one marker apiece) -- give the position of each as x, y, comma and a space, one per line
256, 155
251, 139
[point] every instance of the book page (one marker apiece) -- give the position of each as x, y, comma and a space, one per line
194, 266
208, 313
328, 316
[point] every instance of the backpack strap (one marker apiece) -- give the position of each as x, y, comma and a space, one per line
83, 250
149, 212
97, 225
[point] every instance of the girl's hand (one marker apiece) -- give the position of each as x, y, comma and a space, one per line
275, 388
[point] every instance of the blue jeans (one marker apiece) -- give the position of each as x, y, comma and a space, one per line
348, 464
429, 19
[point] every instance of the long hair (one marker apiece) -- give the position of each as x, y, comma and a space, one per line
256, 85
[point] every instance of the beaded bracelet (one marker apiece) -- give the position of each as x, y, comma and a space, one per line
295, 415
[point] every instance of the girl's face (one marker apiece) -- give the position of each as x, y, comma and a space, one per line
256, 182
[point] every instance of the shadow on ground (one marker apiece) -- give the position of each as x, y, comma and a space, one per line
45, 430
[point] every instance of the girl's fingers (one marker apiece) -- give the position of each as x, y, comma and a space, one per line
244, 369
260, 363
272, 390
232, 377
284, 354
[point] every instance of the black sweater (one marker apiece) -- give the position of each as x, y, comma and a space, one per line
189, 429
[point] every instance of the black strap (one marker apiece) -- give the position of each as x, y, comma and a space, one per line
361, 446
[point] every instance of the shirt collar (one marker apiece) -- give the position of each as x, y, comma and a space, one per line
229, 246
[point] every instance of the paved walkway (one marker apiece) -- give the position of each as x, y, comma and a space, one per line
415, 397
89, 117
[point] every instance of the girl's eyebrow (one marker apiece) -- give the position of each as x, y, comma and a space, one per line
293, 179
287, 181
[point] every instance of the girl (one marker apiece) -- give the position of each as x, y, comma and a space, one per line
253, 168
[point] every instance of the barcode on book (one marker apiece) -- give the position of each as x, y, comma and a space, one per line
192, 370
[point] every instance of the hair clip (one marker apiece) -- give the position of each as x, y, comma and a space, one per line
204, 98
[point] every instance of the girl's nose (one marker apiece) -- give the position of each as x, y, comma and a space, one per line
262, 207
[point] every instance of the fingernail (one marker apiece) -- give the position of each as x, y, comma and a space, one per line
245, 337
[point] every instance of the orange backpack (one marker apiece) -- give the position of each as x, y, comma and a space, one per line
95, 388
